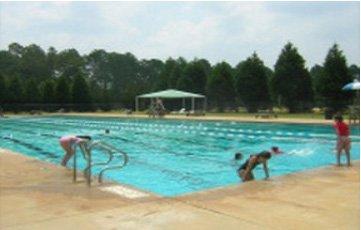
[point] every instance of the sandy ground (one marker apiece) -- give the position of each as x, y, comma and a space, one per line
39, 195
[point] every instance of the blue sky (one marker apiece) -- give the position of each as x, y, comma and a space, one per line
217, 31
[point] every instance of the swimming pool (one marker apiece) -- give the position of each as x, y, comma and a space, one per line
174, 157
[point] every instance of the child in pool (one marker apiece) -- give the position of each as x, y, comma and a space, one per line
68, 144
245, 170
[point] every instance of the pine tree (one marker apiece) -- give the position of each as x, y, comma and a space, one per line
316, 73
336, 75
47, 91
291, 81
80, 91
15, 90
3, 90
220, 86
32, 94
252, 83
62, 90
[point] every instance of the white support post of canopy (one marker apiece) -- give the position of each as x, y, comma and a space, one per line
183, 103
192, 103
205, 104
136, 104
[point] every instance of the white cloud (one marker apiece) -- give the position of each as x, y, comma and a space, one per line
21, 16
228, 31
185, 36
119, 17
256, 20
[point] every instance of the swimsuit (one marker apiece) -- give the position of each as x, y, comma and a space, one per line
343, 142
245, 164
68, 141
343, 139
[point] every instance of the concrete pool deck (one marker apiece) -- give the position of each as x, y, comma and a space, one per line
39, 195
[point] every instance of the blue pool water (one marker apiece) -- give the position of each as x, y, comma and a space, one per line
174, 157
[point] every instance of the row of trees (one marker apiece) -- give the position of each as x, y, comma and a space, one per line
31, 75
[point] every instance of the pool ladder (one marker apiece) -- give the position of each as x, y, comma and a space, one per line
86, 150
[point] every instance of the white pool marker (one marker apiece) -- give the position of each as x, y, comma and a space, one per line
124, 191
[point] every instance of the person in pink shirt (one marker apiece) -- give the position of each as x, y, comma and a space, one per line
68, 144
343, 139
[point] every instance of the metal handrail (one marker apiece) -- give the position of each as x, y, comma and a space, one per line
86, 149
112, 151
87, 156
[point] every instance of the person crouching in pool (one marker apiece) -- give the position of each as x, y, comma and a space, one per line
245, 171
68, 144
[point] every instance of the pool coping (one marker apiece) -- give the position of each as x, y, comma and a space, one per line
42, 203
197, 118
278, 177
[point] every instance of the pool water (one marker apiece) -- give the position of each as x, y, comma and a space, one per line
174, 157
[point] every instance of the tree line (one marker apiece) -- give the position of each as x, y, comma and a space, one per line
100, 79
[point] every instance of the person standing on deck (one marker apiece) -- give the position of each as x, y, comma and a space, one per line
159, 107
343, 139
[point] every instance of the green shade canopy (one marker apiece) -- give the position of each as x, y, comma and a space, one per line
171, 93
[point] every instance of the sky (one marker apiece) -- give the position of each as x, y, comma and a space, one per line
216, 31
